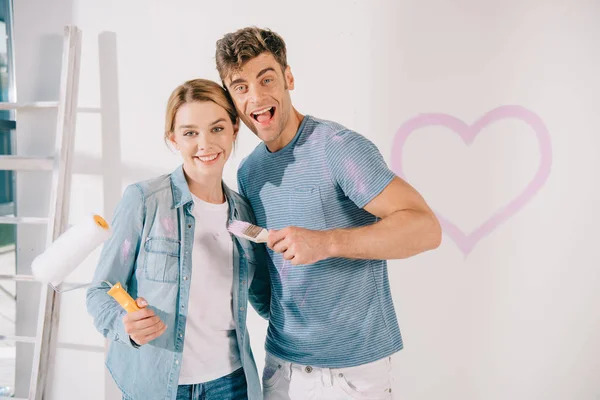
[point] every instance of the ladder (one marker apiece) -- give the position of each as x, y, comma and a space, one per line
60, 163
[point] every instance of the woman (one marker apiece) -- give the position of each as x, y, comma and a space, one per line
171, 249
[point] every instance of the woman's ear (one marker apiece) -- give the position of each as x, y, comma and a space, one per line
172, 141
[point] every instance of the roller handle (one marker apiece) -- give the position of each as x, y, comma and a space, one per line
123, 298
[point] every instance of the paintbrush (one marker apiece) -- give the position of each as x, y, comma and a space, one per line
246, 230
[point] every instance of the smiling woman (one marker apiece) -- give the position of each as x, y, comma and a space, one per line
194, 278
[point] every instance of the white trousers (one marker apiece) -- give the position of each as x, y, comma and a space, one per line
283, 380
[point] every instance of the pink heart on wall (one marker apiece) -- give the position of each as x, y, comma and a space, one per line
468, 133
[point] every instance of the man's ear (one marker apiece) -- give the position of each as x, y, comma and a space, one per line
236, 128
289, 78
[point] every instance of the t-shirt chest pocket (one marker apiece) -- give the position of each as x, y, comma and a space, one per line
305, 207
162, 259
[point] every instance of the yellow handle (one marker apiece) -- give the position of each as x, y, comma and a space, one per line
123, 298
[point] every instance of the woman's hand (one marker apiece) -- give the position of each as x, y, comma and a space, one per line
143, 326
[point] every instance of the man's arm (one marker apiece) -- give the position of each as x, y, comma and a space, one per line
407, 226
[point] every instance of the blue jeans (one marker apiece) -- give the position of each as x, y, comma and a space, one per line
229, 387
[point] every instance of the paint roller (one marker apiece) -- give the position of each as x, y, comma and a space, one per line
69, 250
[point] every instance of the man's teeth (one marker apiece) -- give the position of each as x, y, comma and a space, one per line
208, 158
262, 111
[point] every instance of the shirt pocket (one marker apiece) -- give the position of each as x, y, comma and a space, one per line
162, 259
305, 208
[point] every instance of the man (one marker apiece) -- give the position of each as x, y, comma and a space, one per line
335, 214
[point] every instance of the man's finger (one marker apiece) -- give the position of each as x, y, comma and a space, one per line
275, 236
281, 246
288, 255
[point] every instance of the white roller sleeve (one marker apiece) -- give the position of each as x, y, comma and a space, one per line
69, 250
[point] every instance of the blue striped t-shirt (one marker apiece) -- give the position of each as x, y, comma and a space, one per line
338, 312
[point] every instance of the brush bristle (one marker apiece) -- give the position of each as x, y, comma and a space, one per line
244, 228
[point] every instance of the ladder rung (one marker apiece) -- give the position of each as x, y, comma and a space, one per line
20, 163
28, 106
12, 277
21, 339
90, 110
9, 219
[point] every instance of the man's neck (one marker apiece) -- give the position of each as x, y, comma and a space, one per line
288, 134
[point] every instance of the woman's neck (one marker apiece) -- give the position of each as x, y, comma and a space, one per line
206, 188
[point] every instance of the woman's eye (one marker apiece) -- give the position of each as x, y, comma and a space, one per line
217, 129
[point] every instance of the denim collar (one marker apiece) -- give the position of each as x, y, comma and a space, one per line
181, 191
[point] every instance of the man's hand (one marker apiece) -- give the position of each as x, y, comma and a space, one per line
300, 246
143, 326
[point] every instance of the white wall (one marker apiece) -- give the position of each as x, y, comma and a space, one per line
507, 312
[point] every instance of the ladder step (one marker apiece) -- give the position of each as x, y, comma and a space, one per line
12, 220
21, 339
12, 277
28, 106
21, 163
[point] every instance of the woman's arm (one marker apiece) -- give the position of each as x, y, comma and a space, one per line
116, 264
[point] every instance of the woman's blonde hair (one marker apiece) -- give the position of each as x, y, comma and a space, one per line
197, 90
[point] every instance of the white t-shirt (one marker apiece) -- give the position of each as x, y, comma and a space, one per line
210, 348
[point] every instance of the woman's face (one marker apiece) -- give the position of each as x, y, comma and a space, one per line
204, 135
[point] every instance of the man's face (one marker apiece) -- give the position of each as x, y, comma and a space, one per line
260, 91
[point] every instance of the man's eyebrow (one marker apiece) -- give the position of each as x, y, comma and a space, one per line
261, 73
238, 80
264, 71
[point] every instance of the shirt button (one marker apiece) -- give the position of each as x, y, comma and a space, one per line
242, 308
189, 226
177, 362
182, 306
308, 369
180, 335
185, 278
243, 282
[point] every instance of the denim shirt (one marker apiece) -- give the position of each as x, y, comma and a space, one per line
150, 252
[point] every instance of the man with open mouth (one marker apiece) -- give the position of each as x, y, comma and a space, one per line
335, 214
